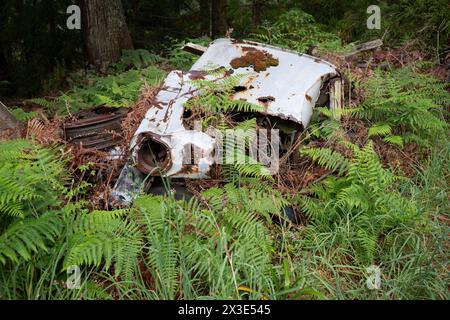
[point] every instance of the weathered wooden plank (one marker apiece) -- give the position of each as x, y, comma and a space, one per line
194, 48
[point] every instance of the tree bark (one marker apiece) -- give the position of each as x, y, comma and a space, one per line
105, 31
219, 18
205, 18
256, 12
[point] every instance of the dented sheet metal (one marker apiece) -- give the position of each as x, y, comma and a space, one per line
285, 83
98, 127
294, 84
163, 124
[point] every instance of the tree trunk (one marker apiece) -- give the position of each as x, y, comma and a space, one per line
105, 31
219, 18
256, 12
205, 17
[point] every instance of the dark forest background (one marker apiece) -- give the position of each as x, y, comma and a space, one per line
37, 50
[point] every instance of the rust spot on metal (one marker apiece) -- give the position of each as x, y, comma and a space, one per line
157, 104
239, 88
260, 60
247, 49
168, 111
189, 169
98, 127
152, 153
248, 81
229, 72
266, 101
197, 74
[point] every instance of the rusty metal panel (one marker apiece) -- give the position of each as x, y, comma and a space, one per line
294, 84
164, 123
288, 87
287, 84
98, 127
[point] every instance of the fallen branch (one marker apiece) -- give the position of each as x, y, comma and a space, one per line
194, 48
366, 46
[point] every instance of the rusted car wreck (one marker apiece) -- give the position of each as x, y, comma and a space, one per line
287, 84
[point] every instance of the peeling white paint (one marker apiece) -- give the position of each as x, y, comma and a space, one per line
294, 84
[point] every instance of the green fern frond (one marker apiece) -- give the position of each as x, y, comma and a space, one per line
379, 130
326, 158
105, 239
397, 140
215, 95
26, 236
368, 245
405, 102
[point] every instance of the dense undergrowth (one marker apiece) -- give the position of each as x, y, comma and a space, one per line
224, 243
